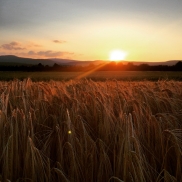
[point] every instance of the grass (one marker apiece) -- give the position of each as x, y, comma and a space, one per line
97, 76
82, 130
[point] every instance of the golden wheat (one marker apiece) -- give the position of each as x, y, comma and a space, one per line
81, 130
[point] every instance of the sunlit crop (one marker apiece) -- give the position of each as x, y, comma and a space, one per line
90, 131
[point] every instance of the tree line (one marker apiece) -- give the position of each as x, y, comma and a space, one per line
112, 66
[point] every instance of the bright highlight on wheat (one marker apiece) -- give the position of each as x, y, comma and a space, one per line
69, 132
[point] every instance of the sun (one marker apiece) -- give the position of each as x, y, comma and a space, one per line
117, 55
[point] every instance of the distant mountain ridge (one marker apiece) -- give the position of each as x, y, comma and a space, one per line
14, 60
23, 61
168, 63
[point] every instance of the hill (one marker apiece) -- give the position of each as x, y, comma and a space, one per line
14, 60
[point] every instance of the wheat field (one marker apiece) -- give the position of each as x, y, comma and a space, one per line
87, 131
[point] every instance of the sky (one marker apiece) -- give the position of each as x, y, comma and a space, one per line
146, 30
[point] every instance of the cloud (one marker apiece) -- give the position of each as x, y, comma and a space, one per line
13, 46
27, 50
51, 54
59, 41
3, 53
32, 44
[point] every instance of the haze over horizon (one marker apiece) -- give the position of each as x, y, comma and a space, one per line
89, 30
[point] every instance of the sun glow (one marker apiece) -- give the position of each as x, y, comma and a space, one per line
117, 55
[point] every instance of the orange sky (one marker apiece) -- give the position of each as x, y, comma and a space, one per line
147, 31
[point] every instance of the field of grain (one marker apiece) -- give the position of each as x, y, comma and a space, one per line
96, 75
82, 130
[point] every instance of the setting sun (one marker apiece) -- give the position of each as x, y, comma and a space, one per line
117, 55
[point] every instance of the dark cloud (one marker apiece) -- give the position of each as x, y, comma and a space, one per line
59, 41
13, 46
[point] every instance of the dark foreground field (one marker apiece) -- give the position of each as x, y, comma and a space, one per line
97, 76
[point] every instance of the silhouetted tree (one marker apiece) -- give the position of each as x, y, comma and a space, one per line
178, 66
